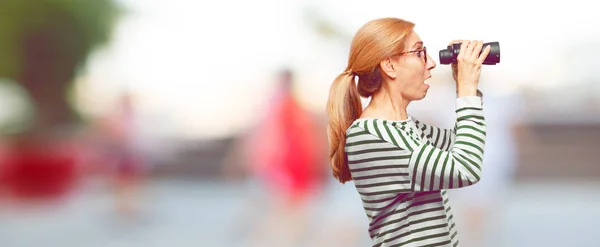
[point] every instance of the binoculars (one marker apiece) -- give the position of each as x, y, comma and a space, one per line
448, 56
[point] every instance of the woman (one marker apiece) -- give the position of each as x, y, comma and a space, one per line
401, 167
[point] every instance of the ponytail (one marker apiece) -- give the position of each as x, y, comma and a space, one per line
372, 43
343, 107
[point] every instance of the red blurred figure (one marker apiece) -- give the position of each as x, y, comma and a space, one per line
284, 156
284, 147
284, 150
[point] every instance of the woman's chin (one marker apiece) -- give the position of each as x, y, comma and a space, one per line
425, 91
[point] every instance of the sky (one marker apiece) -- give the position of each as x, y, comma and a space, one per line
205, 69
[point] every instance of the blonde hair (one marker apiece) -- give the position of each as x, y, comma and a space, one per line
376, 40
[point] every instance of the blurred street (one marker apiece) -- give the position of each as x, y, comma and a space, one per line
201, 213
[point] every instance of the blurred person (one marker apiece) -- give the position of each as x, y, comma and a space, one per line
284, 161
123, 152
402, 167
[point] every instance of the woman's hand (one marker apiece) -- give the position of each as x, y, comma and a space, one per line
468, 67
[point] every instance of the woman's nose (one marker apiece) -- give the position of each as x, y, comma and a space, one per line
430, 63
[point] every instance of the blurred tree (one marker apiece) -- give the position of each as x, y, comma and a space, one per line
43, 44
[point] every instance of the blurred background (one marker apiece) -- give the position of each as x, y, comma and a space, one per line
202, 123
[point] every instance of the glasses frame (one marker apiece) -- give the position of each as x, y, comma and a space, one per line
419, 52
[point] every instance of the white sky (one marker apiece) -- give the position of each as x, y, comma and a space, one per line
204, 68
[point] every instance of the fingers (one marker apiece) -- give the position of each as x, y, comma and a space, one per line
470, 52
463, 49
470, 58
473, 51
477, 49
469, 49
484, 54
457, 41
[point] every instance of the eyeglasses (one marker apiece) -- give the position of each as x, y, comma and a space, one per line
420, 53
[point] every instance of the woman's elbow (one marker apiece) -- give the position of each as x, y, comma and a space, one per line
475, 179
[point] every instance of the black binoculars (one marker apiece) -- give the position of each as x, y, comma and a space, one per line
448, 56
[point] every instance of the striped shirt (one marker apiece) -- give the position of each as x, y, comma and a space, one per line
401, 169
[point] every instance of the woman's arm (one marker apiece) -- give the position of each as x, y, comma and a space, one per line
441, 138
433, 168
385, 159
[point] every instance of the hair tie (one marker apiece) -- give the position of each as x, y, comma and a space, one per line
349, 72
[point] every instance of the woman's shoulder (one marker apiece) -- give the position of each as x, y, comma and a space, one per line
376, 125
376, 131
361, 122
379, 120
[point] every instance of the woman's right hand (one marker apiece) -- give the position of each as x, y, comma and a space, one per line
468, 67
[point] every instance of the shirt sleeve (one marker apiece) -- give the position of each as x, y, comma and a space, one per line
432, 166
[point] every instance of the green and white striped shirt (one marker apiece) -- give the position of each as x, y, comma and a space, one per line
401, 170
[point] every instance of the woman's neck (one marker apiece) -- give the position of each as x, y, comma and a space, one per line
387, 105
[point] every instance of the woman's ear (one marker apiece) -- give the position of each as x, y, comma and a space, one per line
388, 68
